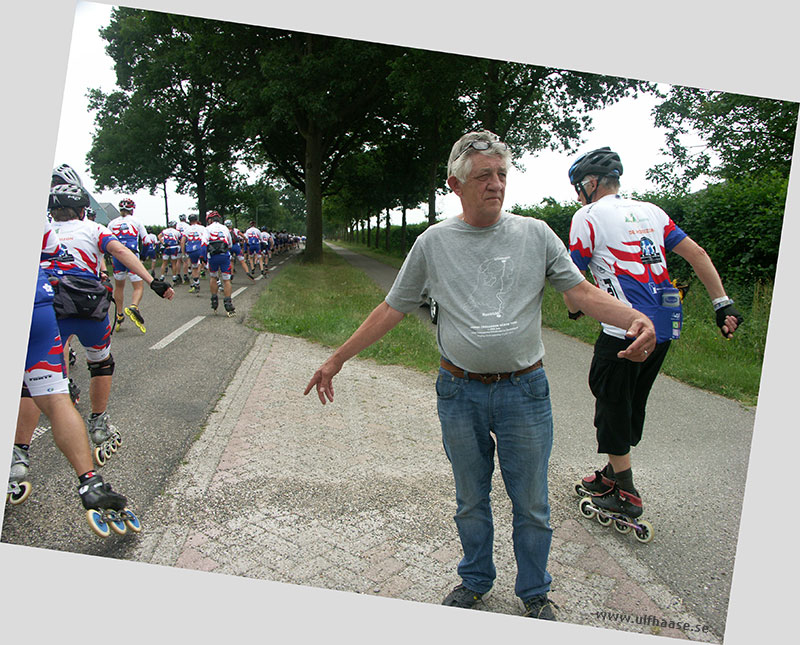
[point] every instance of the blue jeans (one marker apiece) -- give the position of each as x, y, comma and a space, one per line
517, 411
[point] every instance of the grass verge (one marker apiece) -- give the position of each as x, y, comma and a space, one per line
326, 303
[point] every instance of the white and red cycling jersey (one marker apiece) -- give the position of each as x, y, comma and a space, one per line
196, 237
51, 245
170, 237
253, 237
217, 232
83, 244
623, 242
128, 230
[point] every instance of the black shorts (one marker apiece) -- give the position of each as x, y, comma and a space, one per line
621, 388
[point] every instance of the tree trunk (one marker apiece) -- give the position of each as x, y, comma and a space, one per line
403, 232
432, 194
313, 181
388, 229
166, 206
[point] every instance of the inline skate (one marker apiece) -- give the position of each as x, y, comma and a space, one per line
106, 438
18, 488
603, 499
106, 510
229, 308
135, 315
214, 302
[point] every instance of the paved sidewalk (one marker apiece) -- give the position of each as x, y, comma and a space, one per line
358, 496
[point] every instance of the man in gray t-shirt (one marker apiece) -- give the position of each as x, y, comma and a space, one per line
486, 269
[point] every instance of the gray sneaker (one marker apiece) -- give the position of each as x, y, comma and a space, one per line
540, 607
464, 597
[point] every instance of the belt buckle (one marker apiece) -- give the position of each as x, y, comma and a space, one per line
488, 379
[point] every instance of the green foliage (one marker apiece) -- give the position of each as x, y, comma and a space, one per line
738, 222
395, 252
558, 216
326, 302
743, 135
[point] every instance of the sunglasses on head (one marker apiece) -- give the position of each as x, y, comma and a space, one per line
480, 144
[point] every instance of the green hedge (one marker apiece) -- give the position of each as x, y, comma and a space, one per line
737, 222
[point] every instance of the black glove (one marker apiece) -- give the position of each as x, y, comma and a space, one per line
575, 316
725, 311
159, 286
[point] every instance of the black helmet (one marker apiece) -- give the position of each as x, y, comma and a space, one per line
64, 174
192, 218
172, 223
602, 161
68, 196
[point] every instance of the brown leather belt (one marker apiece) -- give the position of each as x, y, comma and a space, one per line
487, 378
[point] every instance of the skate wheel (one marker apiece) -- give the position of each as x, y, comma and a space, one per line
620, 527
116, 523
131, 520
579, 488
117, 437
603, 520
107, 450
586, 508
18, 496
97, 524
644, 533
99, 456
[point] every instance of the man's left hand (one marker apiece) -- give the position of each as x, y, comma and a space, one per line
640, 349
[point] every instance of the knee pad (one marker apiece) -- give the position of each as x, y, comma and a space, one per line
102, 368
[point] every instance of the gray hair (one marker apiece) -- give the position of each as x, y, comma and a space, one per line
459, 164
610, 182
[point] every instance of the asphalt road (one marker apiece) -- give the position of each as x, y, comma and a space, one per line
162, 394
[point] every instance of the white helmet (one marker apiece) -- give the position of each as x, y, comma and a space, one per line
64, 174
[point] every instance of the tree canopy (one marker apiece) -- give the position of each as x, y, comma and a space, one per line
741, 136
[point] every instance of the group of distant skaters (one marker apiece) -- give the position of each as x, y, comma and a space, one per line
74, 293
188, 246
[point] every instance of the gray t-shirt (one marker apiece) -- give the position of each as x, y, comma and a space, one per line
489, 284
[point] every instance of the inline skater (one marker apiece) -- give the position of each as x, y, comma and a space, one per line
128, 230
195, 249
172, 243
45, 386
150, 251
266, 244
623, 243
237, 241
183, 270
253, 236
219, 261
81, 301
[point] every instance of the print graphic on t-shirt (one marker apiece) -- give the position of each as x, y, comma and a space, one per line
492, 286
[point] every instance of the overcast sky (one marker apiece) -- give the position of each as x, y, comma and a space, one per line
627, 127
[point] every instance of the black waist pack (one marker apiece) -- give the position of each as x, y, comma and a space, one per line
76, 297
217, 246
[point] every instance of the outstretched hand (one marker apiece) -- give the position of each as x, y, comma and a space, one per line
323, 380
